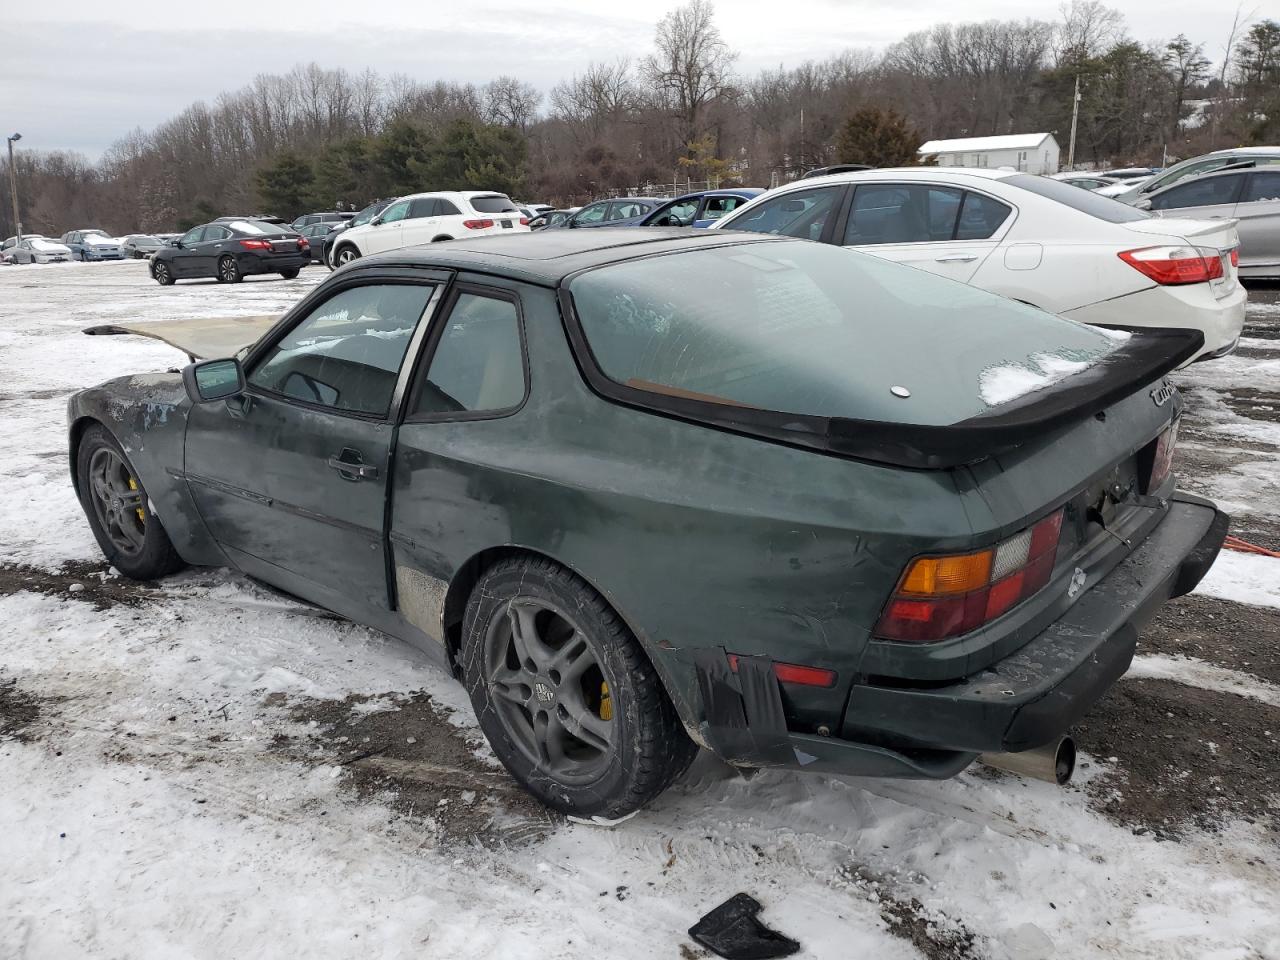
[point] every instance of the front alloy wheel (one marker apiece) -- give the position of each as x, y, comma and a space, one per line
117, 501
163, 275
346, 255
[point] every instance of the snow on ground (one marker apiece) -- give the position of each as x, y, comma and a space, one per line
185, 768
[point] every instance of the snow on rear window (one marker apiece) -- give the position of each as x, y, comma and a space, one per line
256, 227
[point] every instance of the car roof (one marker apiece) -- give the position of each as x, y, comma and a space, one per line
879, 173
548, 257
1245, 151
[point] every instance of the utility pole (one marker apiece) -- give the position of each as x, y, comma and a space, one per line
13, 188
1075, 116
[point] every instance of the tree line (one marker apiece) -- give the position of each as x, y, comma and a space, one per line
315, 138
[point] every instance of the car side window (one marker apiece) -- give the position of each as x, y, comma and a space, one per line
212, 233
446, 208
902, 213
801, 214
717, 207
676, 214
980, 217
1262, 186
395, 212
347, 352
192, 236
422, 207
591, 214
1200, 193
478, 363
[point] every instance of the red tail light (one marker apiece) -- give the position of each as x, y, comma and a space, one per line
524, 221
1172, 266
796, 673
940, 597
256, 244
1235, 256
304, 243
477, 224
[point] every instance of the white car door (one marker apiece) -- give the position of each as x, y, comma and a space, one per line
1258, 212
421, 222
943, 229
384, 232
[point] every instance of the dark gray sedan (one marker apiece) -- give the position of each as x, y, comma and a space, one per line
649, 490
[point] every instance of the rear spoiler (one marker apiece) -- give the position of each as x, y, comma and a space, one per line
1145, 357
206, 338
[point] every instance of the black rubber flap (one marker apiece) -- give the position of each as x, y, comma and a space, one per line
733, 930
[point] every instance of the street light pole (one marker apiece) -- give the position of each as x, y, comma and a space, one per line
13, 187
1075, 115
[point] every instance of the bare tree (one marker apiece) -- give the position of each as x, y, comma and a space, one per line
1088, 27
1188, 67
692, 64
510, 102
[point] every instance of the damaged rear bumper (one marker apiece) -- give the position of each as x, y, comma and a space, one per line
1019, 702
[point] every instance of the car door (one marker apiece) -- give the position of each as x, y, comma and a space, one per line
291, 476
1204, 198
936, 227
184, 258
459, 422
421, 222
205, 253
1258, 212
713, 208
385, 231
677, 213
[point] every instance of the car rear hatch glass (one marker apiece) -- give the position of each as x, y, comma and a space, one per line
508, 213
817, 330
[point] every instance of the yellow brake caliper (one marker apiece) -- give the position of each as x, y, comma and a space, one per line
606, 705
142, 517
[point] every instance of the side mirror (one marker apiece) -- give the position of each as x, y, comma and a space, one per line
1142, 204
211, 380
375, 222
176, 243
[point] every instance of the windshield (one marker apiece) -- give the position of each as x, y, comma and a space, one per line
369, 212
1104, 208
493, 204
807, 328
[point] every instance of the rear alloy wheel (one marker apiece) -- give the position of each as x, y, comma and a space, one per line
345, 256
229, 270
162, 273
566, 696
130, 535
290, 274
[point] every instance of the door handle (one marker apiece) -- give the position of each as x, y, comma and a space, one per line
957, 258
351, 466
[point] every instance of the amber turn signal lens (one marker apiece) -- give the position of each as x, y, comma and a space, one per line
940, 576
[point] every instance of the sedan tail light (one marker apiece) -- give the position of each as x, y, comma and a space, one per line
304, 243
1235, 256
256, 244
940, 597
1162, 461
477, 224
524, 221
1172, 266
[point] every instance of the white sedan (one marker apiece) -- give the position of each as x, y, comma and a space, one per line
1029, 238
35, 250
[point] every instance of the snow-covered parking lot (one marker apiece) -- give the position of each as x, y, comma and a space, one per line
202, 768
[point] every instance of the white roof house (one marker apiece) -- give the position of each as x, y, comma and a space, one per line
1027, 152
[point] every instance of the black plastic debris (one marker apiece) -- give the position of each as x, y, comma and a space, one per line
733, 931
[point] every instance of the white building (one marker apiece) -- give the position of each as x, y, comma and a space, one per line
1028, 152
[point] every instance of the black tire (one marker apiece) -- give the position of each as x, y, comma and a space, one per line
163, 275
130, 535
600, 738
229, 270
290, 274
344, 255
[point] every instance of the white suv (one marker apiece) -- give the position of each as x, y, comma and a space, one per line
428, 217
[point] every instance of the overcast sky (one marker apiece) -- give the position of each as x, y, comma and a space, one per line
77, 74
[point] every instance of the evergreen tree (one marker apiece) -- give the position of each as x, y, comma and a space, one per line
475, 156
880, 138
284, 185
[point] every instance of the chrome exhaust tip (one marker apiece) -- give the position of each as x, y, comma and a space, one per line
1055, 762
